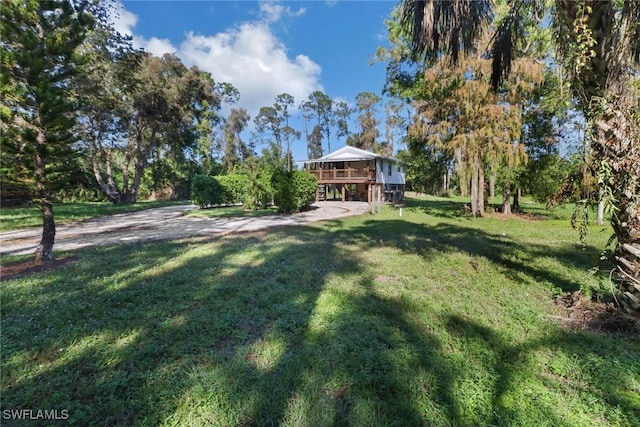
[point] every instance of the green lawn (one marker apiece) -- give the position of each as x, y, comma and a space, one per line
25, 217
428, 318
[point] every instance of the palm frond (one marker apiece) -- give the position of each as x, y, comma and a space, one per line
503, 50
445, 26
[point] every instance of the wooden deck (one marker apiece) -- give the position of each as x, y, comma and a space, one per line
341, 176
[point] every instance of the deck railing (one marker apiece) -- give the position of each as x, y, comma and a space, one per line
346, 175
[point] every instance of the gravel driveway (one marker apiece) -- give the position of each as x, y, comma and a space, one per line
169, 222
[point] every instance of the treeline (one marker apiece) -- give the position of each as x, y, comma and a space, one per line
472, 136
87, 116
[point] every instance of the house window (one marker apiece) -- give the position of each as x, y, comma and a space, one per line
389, 169
398, 168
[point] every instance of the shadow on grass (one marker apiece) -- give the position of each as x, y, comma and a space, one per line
583, 366
440, 208
289, 328
515, 260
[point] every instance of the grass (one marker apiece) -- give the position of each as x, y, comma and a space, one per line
15, 218
428, 318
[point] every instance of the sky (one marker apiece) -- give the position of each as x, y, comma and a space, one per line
265, 48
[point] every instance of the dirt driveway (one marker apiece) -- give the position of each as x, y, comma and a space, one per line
170, 222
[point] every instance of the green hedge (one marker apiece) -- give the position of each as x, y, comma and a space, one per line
253, 191
293, 191
206, 191
235, 188
259, 191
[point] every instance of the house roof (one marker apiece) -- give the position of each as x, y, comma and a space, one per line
348, 153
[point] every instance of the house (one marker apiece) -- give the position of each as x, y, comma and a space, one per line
352, 174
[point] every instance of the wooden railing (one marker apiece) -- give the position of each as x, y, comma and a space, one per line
351, 175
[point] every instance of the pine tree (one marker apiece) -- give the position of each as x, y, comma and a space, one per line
38, 59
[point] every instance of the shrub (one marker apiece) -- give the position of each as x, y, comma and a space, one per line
293, 191
206, 191
235, 188
259, 191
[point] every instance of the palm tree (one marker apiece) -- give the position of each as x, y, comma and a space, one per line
599, 44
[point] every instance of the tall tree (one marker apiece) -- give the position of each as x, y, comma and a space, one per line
460, 114
269, 121
102, 91
342, 114
275, 120
366, 106
148, 111
284, 102
395, 125
236, 151
314, 143
322, 106
209, 125
599, 42
38, 59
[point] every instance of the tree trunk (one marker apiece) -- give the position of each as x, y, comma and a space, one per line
463, 176
516, 200
44, 253
108, 189
125, 176
492, 185
445, 182
506, 197
609, 101
600, 218
474, 191
616, 144
481, 190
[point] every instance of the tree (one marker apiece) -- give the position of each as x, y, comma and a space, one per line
284, 101
268, 120
102, 91
207, 149
459, 114
38, 60
235, 149
314, 143
322, 106
395, 125
146, 113
366, 106
599, 43
275, 119
342, 114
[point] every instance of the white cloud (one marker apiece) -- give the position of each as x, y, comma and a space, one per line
252, 59
249, 56
273, 11
156, 46
123, 20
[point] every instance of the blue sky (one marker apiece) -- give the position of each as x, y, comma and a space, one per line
269, 47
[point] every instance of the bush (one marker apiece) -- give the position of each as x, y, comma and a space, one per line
235, 188
293, 191
206, 191
254, 193
259, 191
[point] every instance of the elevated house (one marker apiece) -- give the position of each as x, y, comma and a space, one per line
352, 174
